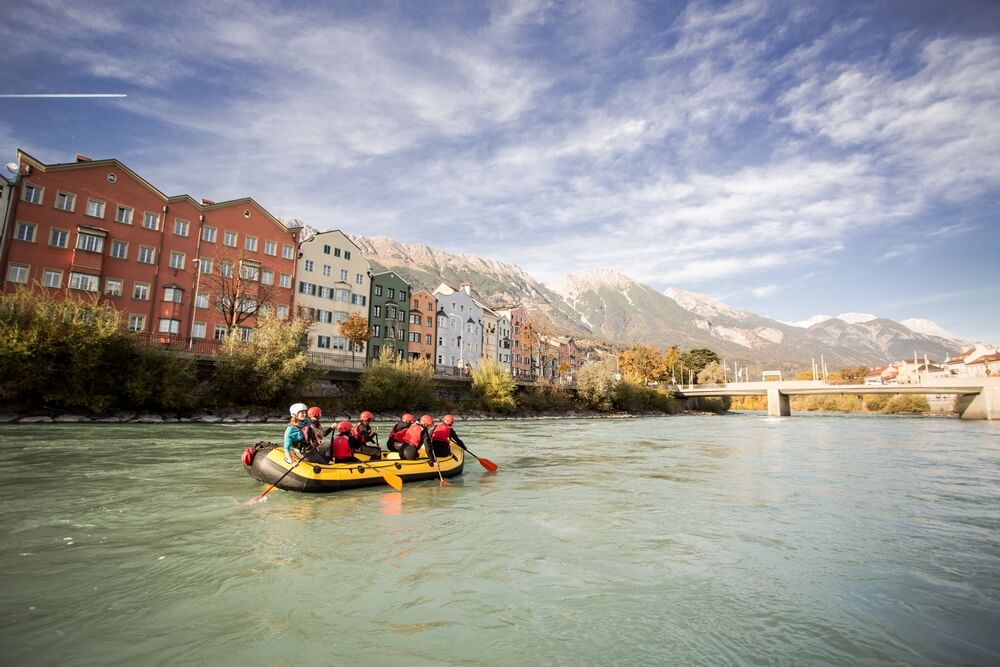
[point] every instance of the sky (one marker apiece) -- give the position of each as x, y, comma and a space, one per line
788, 158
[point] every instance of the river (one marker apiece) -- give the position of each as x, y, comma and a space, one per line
708, 540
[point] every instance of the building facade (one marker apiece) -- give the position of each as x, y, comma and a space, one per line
173, 266
334, 282
459, 329
423, 326
523, 347
388, 315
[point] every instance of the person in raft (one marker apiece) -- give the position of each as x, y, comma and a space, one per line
363, 437
417, 436
341, 444
315, 415
300, 435
397, 432
442, 433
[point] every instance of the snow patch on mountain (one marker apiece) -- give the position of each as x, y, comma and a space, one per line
704, 305
929, 328
572, 285
805, 324
856, 318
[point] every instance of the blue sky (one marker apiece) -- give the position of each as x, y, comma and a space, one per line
788, 158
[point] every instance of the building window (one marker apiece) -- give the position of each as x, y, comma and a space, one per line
378, 290
173, 294
390, 293
343, 295
25, 231
415, 319
270, 248
33, 194
140, 291
226, 269
119, 249
89, 242
65, 201
168, 326
136, 323
229, 239
359, 278
430, 321
95, 208
147, 254
246, 334
414, 337
339, 343
17, 273
123, 214
151, 220
326, 250
347, 254
199, 330
249, 270
376, 311
359, 299
250, 244
287, 251
282, 311
219, 332
390, 312
58, 238
400, 334
336, 252
52, 278
208, 234
401, 315
205, 265
201, 301
402, 295
177, 260
181, 227
285, 280
83, 281
323, 342
376, 330
327, 270
428, 340
266, 277
113, 286
343, 275
309, 265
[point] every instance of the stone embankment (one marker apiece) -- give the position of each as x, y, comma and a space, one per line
251, 417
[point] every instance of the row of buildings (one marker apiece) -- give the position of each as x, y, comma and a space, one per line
185, 272
973, 362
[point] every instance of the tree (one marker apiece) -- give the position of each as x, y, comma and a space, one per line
713, 373
595, 384
673, 367
494, 385
355, 330
854, 375
696, 360
235, 282
641, 363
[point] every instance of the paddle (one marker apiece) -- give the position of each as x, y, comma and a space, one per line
268, 490
390, 478
486, 463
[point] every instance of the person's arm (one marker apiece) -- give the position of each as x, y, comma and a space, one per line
454, 436
290, 439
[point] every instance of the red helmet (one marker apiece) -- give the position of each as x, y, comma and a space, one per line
448, 419
344, 426
426, 420
408, 418
366, 416
315, 413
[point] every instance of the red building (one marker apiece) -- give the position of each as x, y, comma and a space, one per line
96, 227
423, 329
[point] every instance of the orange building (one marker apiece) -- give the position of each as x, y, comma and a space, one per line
423, 330
173, 266
523, 347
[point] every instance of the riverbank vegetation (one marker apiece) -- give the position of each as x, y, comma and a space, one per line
880, 403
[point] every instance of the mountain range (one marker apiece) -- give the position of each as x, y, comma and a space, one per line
606, 307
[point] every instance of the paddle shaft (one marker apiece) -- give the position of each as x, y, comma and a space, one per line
486, 463
270, 488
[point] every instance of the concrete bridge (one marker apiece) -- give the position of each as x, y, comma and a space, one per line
979, 397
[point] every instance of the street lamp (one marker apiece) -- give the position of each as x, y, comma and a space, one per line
194, 300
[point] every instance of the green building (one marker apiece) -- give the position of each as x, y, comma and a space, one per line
388, 314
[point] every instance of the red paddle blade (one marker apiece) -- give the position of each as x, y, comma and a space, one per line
489, 465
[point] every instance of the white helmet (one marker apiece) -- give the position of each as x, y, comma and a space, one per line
297, 407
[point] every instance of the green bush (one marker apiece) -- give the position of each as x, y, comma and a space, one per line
595, 385
271, 368
545, 397
907, 404
875, 402
389, 383
631, 397
493, 387
161, 380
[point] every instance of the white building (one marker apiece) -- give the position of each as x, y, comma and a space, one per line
334, 281
459, 329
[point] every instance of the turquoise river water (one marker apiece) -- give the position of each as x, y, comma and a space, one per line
706, 540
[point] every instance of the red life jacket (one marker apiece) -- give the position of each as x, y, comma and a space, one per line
442, 433
414, 435
398, 432
341, 447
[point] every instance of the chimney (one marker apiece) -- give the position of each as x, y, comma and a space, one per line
206, 202
82, 158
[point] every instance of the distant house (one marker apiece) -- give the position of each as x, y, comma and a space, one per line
987, 365
874, 376
962, 364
